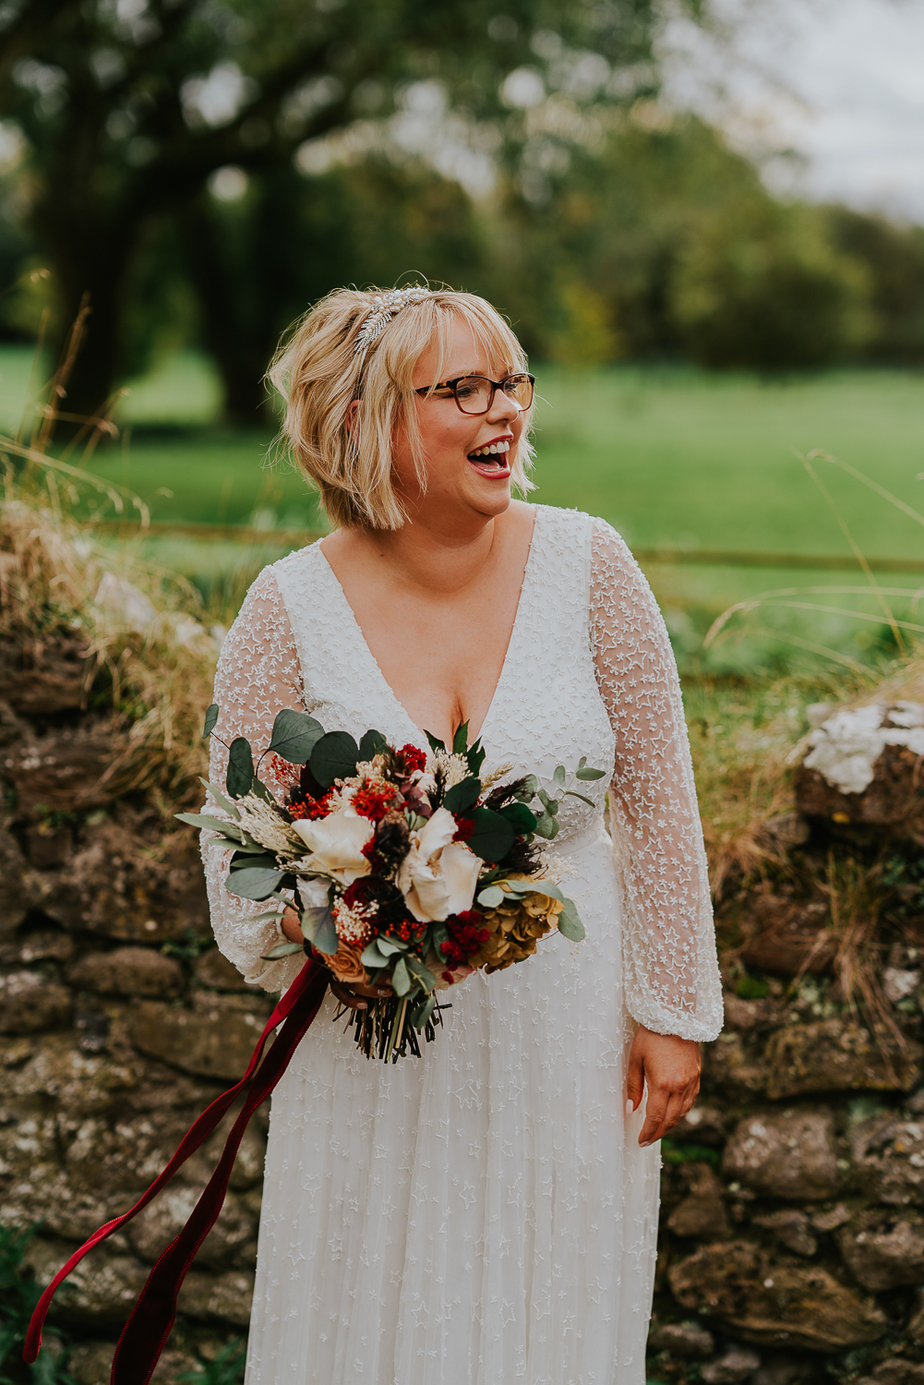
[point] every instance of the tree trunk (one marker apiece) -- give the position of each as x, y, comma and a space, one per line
232, 330
91, 273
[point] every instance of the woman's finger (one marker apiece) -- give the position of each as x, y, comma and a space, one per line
355, 1002
665, 1110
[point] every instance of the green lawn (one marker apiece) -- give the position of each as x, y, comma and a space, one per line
670, 456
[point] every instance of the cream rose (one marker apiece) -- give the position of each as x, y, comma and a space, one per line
438, 876
336, 843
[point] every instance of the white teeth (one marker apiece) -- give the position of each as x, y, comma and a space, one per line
492, 450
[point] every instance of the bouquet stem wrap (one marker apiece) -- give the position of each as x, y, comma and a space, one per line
151, 1321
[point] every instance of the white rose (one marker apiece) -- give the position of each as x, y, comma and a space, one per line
336, 843
438, 876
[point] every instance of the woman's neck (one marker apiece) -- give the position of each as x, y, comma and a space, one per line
436, 559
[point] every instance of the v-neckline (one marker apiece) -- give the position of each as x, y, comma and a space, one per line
364, 643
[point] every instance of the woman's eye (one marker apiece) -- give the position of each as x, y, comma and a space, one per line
467, 388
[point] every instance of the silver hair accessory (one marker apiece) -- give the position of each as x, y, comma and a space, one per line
384, 307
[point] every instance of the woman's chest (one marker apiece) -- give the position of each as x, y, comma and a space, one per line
442, 659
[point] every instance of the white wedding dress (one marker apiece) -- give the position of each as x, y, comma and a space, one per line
484, 1215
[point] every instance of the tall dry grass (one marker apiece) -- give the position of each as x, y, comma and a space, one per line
149, 655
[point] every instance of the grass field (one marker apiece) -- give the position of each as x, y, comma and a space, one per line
670, 456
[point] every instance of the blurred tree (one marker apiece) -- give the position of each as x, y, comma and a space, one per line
761, 286
663, 241
894, 260
129, 106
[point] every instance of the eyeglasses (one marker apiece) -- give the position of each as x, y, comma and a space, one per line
474, 394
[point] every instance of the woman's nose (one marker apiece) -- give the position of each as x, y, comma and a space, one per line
503, 406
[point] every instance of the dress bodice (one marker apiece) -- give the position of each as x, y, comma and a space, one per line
546, 709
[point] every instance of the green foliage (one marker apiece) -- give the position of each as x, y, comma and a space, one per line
19, 1294
189, 946
226, 1369
674, 1153
750, 988
760, 286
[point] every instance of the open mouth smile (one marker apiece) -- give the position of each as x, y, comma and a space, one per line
492, 459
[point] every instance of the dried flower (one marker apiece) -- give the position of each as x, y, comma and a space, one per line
346, 965
266, 825
515, 927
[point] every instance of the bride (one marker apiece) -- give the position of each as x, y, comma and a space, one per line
488, 1212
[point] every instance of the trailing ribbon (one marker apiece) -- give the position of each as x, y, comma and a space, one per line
151, 1320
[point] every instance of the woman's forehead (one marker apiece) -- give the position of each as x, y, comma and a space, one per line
464, 352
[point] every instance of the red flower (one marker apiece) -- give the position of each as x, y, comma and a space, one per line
412, 758
464, 829
310, 808
374, 803
465, 937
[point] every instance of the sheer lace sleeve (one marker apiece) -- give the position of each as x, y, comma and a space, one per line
258, 675
672, 979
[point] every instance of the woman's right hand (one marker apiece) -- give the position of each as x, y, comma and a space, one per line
353, 996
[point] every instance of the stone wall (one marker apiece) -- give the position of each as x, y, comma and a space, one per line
792, 1236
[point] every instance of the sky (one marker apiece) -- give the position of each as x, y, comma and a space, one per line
827, 94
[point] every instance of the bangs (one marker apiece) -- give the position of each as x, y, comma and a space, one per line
493, 338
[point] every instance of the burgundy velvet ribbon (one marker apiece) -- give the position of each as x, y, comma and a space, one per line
151, 1321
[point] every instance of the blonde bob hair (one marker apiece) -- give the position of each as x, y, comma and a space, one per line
319, 374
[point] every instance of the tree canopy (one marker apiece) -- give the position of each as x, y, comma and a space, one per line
128, 106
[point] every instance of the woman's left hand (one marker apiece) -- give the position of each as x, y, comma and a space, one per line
671, 1068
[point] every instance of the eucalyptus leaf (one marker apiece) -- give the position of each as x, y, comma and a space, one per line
460, 740
559, 776
569, 923
282, 950
311, 920
240, 767
254, 882
491, 897
542, 887
528, 788
463, 795
372, 744
389, 947
335, 756
211, 718
401, 978
325, 938
249, 860
493, 835
522, 818
259, 789
372, 957
220, 799
421, 971
546, 826
423, 1011
227, 829
295, 734
543, 797
591, 774
570, 793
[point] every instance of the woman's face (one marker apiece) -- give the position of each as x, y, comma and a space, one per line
459, 481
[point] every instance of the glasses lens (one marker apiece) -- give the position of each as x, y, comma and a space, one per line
520, 389
473, 394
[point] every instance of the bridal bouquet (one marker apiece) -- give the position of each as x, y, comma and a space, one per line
404, 868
